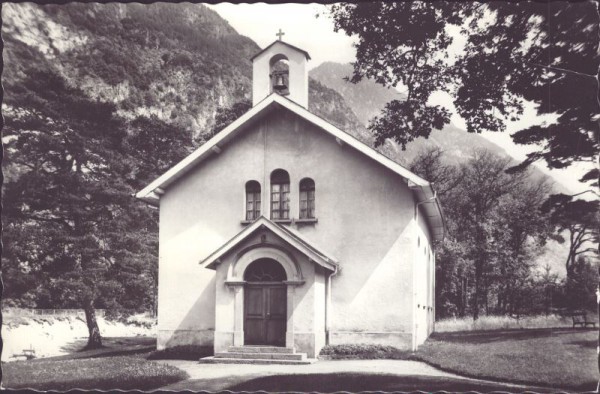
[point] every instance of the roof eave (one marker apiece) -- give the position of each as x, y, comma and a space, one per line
179, 169
433, 209
284, 43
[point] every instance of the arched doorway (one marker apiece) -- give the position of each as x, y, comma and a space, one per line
265, 303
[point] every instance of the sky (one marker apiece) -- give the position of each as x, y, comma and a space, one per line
309, 26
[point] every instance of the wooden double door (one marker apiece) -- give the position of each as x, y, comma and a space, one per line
265, 317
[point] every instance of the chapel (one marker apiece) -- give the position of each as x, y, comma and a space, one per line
283, 233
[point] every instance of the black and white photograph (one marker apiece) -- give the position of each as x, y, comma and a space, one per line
301, 197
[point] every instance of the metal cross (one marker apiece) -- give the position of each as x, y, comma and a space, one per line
280, 34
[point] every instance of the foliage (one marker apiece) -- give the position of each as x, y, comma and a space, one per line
429, 165
65, 146
155, 146
495, 232
510, 56
109, 373
363, 352
581, 285
579, 219
227, 115
75, 230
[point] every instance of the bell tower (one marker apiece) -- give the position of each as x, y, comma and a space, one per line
280, 68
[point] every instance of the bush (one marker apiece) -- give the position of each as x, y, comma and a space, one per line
183, 352
363, 351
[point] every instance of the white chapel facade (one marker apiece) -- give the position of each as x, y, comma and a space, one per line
283, 230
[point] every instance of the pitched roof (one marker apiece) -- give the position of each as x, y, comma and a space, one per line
291, 237
284, 43
423, 190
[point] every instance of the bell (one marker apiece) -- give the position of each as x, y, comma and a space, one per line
279, 82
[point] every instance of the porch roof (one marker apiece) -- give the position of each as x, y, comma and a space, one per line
290, 236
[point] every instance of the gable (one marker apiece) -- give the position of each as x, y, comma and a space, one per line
288, 236
422, 190
283, 44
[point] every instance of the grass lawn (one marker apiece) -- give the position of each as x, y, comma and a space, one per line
121, 364
558, 357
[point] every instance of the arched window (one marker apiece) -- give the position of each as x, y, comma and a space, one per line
307, 199
280, 195
265, 270
252, 200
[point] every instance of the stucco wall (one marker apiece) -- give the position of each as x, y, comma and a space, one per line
365, 219
424, 281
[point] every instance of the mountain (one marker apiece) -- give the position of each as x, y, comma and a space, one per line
178, 61
368, 98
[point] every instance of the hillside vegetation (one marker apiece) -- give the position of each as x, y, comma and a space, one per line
178, 61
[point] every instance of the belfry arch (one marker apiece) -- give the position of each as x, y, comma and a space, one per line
265, 74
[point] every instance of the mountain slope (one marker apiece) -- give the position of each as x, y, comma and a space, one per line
365, 98
178, 61
368, 98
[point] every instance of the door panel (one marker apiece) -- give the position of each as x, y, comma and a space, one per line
265, 314
276, 315
254, 322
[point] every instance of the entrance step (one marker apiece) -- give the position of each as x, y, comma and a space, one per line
259, 355
260, 349
215, 360
262, 356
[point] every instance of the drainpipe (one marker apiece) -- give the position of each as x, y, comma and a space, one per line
414, 308
328, 304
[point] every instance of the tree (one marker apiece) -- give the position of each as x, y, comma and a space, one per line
579, 219
495, 232
429, 165
154, 146
581, 285
225, 116
484, 183
542, 52
71, 196
520, 231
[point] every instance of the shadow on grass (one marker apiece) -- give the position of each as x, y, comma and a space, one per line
112, 346
488, 336
184, 352
366, 382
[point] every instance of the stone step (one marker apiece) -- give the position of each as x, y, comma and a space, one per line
261, 349
262, 356
214, 360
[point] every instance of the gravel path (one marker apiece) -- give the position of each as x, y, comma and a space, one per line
217, 377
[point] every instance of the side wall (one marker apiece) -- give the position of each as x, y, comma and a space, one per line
424, 289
